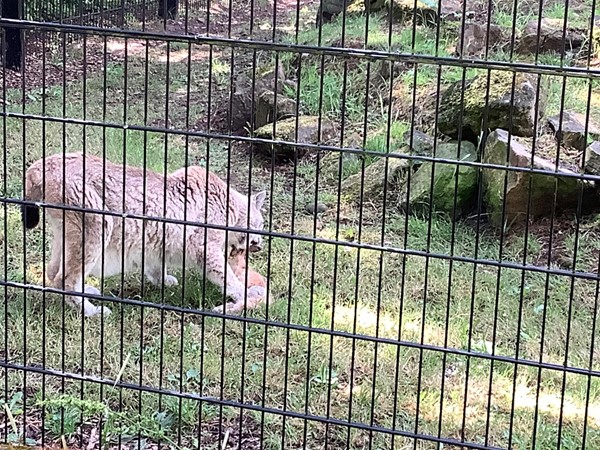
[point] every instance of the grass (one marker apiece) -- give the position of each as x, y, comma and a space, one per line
578, 15
382, 296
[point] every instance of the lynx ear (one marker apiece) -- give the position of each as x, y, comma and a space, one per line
259, 199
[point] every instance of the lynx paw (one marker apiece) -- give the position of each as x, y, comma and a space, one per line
256, 294
91, 311
91, 290
222, 308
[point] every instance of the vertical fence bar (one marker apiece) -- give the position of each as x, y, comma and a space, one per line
13, 48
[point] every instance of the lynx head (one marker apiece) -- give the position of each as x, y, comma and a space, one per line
256, 222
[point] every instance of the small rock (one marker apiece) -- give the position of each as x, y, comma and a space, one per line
518, 189
270, 107
285, 130
448, 189
476, 39
500, 107
571, 132
592, 158
374, 179
390, 71
318, 209
549, 38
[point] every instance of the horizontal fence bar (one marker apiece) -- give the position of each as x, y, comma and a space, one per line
316, 240
247, 406
316, 147
342, 52
323, 331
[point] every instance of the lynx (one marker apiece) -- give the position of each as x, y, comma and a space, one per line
81, 238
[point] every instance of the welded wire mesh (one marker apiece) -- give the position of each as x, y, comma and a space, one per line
423, 272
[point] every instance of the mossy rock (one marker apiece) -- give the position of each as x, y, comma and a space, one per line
454, 186
516, 202
499, 108
374, 179
285, 130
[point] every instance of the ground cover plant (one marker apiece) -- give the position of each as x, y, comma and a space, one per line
415, 294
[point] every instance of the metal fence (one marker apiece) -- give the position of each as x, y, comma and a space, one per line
274, 224
94, 12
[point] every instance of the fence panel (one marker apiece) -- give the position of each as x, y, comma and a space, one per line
276, 224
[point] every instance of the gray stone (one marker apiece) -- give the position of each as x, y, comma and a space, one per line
592, 158
549, 38
497, 104
318, 209
571, 132
518, 188
285, 130
454, 187
422, 144
271, 107
476, 40
254, 108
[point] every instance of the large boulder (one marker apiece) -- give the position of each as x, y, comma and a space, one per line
271, 107
515, 201
571, 130
285, 130
500, 107
549, 38
454, 186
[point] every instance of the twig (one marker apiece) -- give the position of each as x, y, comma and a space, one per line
225, 439
122, 369
11, 419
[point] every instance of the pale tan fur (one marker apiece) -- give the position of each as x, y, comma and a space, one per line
185, 194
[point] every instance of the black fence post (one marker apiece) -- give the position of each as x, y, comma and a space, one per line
11, 9
167, 9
